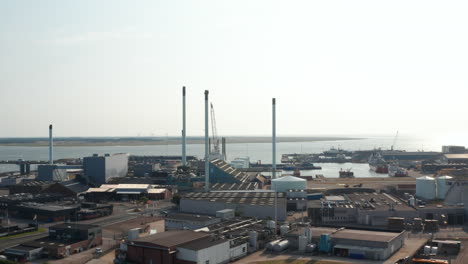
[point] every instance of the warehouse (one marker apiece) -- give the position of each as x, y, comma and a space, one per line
360, 244
245, 203
100, 169
127, 192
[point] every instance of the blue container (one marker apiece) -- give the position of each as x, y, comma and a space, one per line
314, 196
356, 255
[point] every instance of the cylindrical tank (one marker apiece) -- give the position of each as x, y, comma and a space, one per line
443, 186
280, 246
302, 243
427, 250
411, 201
284, 229
133, 233
426, 188
311, 248
434, 250
308, 234
271, 224
253, 237
270, 245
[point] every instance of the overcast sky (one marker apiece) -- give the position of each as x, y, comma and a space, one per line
116, 68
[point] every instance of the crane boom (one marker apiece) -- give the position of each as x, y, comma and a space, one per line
215, 138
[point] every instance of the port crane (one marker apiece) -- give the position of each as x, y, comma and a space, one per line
215, 153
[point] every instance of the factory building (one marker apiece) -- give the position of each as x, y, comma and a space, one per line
63, 240
32, 187
454, 158
71, 188
51, 172
245, 203
100, 169
141, 170
359, 244
222, 172
189, 221
127, 192
453, 149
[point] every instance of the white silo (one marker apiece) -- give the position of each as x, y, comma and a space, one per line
302, 244
286, 183
253, 237
443, 185
426, 188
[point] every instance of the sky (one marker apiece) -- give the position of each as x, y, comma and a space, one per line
116, 68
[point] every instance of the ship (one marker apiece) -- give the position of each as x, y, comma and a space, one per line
377, 163
346, 173
396, 171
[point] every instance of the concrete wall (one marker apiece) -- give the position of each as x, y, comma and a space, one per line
210, 208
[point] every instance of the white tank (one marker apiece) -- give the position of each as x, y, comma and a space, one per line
253, 237
133, 233
427, 250
411, 201
442, 186
280, 246
271, 224
302, 243
426, 188
286, 183
270, 245
284, 229
434, 250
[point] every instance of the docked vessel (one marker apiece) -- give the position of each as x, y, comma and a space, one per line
346, 173
396, 171
377, 163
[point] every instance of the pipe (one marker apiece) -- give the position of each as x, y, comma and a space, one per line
184, 133
273, 175
51, 146
207, 150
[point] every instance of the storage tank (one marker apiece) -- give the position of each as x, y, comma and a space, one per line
284, 229
270, 245
253, 237
434, 250
308, 234
302, 243
412, 202
271, 224
133, 233
443, 185
280, 246
286, 183
426, 188
427, 250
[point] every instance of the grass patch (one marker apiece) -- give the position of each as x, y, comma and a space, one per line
40, 230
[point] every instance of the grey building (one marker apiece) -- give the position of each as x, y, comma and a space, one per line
100, 169
258, 204
51, 172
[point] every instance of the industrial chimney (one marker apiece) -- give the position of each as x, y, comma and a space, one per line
273, 172
184, 133
207, 148
51, 146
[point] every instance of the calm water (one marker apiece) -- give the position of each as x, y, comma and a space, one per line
256, 151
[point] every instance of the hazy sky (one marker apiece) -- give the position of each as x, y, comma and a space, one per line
116, 68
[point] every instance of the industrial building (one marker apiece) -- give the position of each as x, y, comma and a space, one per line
189, 221
360, 244
245, 203
72, 188
107, 192
63, 240
57, 172
222, 172
32, 187
454, 158
100, 169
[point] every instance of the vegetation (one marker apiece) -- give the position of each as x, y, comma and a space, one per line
40, 230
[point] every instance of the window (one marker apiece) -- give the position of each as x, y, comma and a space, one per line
243, 249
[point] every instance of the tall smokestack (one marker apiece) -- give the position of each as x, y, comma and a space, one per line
51, 146
273, 175
184, 133
223, 145
207, 149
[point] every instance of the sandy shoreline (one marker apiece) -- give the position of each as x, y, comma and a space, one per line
123, 142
